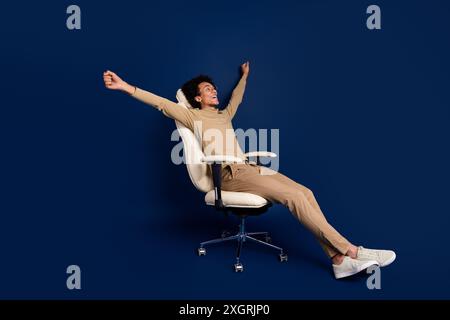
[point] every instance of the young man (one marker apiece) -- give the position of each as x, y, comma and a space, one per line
201, 93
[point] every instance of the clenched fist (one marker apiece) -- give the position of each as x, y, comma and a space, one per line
245, 68
114, 82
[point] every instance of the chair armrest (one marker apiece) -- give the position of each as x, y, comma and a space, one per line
261, 154
216, 162
216, 169
221, 159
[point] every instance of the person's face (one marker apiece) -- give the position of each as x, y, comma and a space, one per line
207, 94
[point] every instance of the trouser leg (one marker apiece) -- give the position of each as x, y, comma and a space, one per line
280, 189
326, 246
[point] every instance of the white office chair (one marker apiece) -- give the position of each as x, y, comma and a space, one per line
241, 204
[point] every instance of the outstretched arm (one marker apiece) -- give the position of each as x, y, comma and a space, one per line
238, 92
170, 109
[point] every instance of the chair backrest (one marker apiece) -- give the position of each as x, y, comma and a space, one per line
193, 154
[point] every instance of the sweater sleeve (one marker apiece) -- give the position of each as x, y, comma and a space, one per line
236, 97
168, 108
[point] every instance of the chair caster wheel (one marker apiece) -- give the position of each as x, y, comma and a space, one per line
268, 239
283, 257
225, 234
238, 267
201, 251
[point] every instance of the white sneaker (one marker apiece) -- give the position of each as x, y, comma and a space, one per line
350, 266
383, 257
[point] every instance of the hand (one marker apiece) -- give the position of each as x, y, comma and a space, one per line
113, 81
245, 68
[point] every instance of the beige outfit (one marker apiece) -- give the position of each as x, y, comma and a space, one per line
248, 177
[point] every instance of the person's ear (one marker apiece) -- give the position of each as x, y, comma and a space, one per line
198, 99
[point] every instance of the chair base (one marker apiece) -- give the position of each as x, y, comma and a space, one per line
241, 237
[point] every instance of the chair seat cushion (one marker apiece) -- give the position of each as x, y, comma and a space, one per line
237, 199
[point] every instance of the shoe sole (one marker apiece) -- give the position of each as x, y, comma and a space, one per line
351, 273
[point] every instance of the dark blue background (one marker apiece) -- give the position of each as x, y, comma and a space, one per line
86, 174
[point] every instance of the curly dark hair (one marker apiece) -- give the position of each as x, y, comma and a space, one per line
190, 89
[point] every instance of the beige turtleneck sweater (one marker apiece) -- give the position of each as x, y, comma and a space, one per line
212, 126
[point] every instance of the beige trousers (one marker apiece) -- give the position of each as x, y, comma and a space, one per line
278, 188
